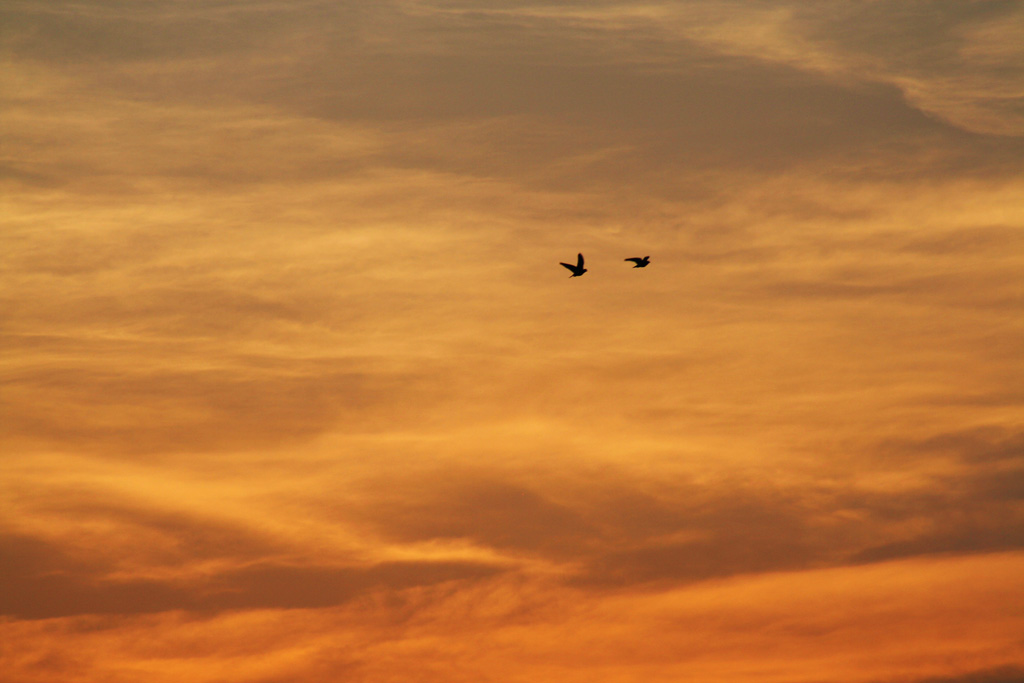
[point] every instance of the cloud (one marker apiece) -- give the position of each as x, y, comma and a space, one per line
679, 531
139, 410
622, 535
296, 390
482, 509
951, 60
981, 445
1000, 674
112, 31
545, 101
972, 510
962, 539
43, 582
796, 624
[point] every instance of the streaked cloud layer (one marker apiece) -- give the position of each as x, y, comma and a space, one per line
295, 389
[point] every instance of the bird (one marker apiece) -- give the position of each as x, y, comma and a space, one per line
578, 269
640, 262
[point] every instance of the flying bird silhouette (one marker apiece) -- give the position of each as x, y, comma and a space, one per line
578, 269
640, 262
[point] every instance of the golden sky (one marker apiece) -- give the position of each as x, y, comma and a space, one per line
294, 388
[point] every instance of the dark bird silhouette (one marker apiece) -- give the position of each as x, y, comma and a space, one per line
578, 269
640, 262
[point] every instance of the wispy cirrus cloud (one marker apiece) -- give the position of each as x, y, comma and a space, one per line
949, 59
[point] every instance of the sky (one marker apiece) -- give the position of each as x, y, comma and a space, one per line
294, 387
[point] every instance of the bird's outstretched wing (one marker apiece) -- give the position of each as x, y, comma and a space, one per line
569, 266
579, 260
634, 259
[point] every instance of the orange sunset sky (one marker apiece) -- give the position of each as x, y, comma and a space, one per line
295, 390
